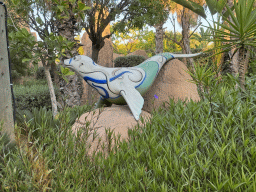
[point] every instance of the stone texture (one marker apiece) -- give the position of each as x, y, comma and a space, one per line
118, 118
105, 59
140, 53
172, 81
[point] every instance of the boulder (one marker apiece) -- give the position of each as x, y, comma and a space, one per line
139, 53
117, 118
172, 81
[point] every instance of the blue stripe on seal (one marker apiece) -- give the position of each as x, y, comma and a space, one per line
70, 61
95, 80
105, 91
115, 77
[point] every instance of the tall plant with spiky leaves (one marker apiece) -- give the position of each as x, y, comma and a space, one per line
239, 34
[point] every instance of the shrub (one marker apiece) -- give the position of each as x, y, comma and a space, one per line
28, 97
40, 73
35, 82
187, 146
129, 61
15, 75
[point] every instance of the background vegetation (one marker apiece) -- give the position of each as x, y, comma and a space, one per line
204, 146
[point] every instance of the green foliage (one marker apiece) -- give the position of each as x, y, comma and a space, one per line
138, 13
7, 148
36, 95
21, 51
204, 146
138, 39
40, 74
52, 46
34, 82
129, 61
192, 6
134, 39
240, 30
65, 72
204, 37
214, 6
252, 62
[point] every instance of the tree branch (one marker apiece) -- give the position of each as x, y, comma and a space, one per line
195, 30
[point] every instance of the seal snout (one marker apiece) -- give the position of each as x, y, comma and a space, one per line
67, 62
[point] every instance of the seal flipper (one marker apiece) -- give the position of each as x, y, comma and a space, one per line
134, 100
101, 102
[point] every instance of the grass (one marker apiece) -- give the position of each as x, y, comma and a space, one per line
204, 146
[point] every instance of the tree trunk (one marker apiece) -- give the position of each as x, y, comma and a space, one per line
243, 65
95, 53
51, 89
174, 31
159, 36
234, 64
55, 75
6, 108
72, 90
185, 36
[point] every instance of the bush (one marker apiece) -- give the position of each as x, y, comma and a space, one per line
40, 74
129, 61
187, 146
28, 97
35, 82
15, 75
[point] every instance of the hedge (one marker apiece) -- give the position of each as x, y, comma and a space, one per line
28, 97
129, 61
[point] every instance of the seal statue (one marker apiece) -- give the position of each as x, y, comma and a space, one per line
124, 84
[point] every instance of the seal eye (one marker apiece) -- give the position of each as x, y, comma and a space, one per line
81, 64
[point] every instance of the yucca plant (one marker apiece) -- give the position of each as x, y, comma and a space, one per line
239, 34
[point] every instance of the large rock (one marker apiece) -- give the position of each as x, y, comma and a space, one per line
118, 118
139, 53
172, 81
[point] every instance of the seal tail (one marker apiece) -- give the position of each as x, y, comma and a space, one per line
186, 55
